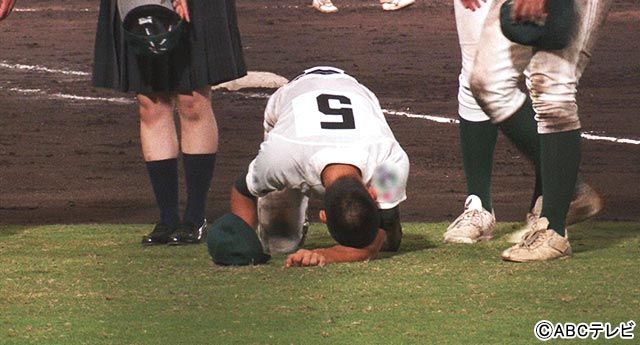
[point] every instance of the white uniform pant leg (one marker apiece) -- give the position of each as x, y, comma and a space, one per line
553, 76
282, 220
469, 25
498, 66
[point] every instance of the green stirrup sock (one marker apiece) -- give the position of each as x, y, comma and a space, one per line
522, 129
477, 142
560, 158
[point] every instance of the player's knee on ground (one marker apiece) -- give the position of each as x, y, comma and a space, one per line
554, 103
282, 220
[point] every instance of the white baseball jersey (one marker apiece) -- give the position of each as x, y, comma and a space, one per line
324, 117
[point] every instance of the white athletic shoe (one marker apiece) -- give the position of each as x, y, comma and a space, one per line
586, 204
393, 5
473, 225
530, 221
324, 6
540, 244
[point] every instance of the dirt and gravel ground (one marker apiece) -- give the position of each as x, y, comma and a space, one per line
68, 160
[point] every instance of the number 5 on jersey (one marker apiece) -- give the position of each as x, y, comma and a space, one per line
326, 113
345, 111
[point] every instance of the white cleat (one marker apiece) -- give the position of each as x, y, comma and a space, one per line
324, 6
473, 225
586, 204
394, 5
540, 244
532, 218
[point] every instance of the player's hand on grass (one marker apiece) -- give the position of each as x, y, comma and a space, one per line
529, 11
304, 258
472, 4
5, 8
182, 9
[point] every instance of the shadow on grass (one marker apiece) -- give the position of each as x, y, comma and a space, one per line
410, 243
602, 235
12, 230
588, 236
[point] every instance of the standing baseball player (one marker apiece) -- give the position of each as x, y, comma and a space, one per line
325, 137
5, 8
551, 77
478, 134
208, 52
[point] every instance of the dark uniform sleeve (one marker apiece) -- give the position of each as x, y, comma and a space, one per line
241, 186
390, 223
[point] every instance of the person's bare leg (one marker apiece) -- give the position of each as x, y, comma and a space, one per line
157, 129
198, 127
159, 143
199, 144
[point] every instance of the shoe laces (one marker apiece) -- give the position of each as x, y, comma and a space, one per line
532, 218
469, 217
533, 238
325, 2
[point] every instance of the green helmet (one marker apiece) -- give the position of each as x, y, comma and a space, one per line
151, 27
555, 33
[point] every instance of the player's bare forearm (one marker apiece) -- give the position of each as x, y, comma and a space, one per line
244, 207
5, 8
335, 254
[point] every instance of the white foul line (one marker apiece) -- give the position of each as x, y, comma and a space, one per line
433, 118
61, 9
444, 119
37, 68
611, 139
119, 100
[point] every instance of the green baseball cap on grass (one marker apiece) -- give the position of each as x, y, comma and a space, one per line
232, 242
554, 34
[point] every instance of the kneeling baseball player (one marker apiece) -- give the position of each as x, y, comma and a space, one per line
325, 137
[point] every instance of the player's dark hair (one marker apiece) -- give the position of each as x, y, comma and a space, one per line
352, 217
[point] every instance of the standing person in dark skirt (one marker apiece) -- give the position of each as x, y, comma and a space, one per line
208, 53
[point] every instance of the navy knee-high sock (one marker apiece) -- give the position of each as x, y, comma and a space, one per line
477, 142
560, 158
164, 180
198, 170
522, 129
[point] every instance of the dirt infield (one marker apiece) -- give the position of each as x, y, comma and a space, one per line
70, 153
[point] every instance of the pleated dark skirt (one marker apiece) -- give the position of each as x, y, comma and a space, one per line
209, 53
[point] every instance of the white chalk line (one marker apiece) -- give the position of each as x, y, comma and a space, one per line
433, 118
57, 9
42, 93
590, 136
445, 119
37, 68
276, 7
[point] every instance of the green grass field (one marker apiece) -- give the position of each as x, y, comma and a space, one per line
94, 284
